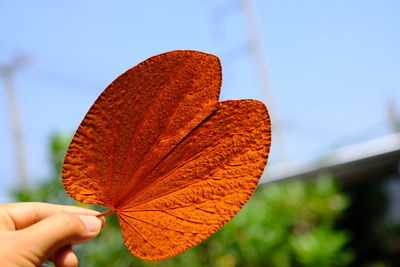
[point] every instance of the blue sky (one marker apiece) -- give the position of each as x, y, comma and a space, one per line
333, 65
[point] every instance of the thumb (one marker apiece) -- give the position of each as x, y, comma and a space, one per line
44, 238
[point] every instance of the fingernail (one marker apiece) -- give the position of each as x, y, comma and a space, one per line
92, 223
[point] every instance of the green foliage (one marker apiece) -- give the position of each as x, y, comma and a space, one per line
51, 190
284, 224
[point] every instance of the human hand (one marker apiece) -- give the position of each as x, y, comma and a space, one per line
33, 232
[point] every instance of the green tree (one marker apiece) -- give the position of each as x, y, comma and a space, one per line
290, 223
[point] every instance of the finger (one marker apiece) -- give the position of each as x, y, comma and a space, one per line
65, 257
49, 235
25, 214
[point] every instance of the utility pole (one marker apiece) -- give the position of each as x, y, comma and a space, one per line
393, 116
256, 50
7, 72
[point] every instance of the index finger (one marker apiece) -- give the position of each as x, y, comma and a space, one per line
25, 214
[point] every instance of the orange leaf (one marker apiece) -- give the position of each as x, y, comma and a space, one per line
171, 161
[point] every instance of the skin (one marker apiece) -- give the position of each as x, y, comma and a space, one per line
32, 232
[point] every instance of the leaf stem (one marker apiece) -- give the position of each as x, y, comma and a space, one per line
106, 213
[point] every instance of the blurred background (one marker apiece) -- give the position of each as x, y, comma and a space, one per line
329, 72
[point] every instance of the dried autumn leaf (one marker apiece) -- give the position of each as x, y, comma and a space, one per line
171, 161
